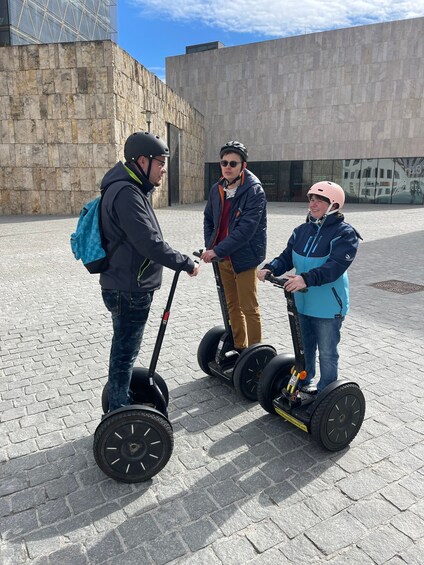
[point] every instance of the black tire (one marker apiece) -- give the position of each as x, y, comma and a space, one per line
338, 417
274, 378
142, 391
248, 370
208, 346
122, 451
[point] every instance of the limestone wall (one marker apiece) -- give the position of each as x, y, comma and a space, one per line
65, 112
342, 94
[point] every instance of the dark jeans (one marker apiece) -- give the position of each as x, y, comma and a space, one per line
322, 334
129, 316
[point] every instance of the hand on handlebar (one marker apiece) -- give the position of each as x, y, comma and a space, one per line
195, 271
294, 283
208, 256
262, 274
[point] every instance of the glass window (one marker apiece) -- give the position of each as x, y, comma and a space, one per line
408, 184
368, 181
322, 170
352, 172
383, 187
300, 180
269, 180
284, 181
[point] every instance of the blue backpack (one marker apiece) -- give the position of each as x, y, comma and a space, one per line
88, 242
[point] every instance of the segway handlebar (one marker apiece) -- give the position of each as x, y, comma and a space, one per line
280, 281
199, 254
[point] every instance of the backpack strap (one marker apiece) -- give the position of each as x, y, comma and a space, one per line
123, 236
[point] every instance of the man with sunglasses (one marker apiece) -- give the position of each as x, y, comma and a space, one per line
137, 253
235, 232
321, 250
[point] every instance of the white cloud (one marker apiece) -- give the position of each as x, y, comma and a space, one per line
280, 18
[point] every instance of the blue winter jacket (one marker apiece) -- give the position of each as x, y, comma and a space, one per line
246, 240
321, 253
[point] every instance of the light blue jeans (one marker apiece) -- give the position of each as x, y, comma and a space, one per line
322, 334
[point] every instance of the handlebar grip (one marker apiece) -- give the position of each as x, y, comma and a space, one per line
199, 254
280, 282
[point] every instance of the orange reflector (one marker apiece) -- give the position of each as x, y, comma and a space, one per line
302, 375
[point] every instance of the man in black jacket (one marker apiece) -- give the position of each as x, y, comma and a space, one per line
135, 267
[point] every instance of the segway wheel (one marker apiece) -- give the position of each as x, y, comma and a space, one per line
338, 417
141, 390
249, 368
208, 346
132, 446
274, 378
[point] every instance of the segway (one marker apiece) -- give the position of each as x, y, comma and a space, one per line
217, 356
135, 442
334, 416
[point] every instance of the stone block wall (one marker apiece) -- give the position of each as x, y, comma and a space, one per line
65, 112
341, 94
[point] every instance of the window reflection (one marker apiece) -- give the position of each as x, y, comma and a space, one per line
380, 181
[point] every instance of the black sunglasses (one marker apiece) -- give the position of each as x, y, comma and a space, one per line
232, 164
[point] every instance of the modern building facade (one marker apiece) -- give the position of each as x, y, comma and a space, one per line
24, 22
344, 105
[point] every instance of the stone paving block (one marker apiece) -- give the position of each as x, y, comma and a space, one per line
373, 512
352, 556
336, 533
171, 516
71, 555
328, 503
40, 543
230, 519
398, 496
166, 548
102, 547
234, 550
202, 557
199, 534
132, 557
226, 492
409, 523
264, 535
361, 484
295, 520
384, 543
136, 531
198, 504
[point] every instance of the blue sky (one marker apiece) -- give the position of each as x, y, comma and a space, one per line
151, 30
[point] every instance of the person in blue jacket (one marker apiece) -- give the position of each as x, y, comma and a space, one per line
321, 250
137, 251
235, 231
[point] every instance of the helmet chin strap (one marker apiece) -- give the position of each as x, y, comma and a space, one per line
323, 218
332, 211
227, 183
147, 175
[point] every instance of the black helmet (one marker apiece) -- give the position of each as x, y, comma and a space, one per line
144, 143
234, 147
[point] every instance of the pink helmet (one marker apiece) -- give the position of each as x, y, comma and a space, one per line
330, 190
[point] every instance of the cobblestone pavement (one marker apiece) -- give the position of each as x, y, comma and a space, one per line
242, 486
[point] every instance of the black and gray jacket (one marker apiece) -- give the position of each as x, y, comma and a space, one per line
126, 213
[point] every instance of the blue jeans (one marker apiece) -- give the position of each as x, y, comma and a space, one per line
129, 316
322, 334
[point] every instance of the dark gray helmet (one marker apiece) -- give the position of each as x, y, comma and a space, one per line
234, 147
144, 143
